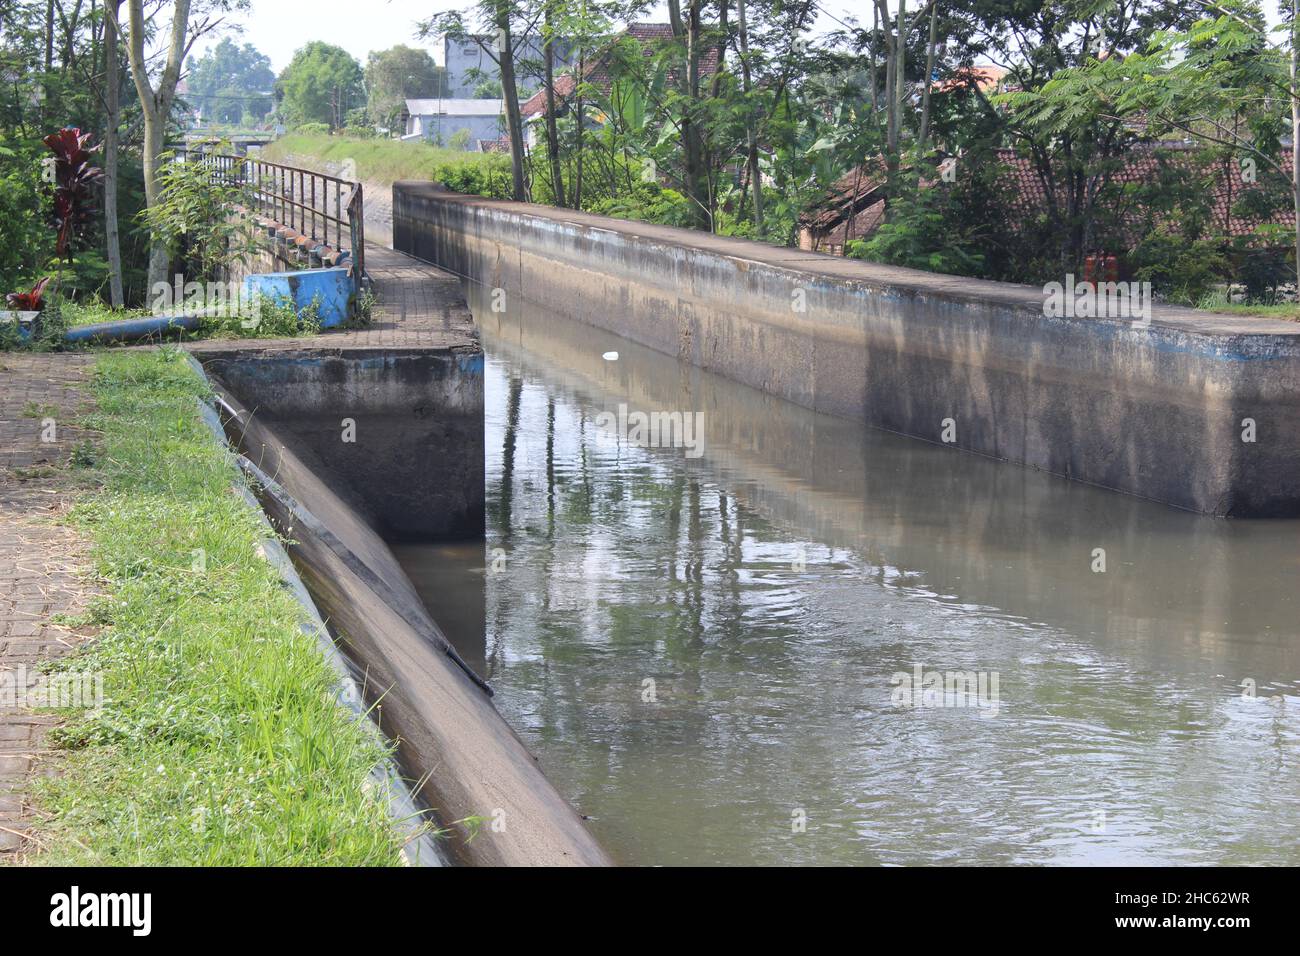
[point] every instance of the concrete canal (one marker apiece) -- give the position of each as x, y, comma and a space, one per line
728, 653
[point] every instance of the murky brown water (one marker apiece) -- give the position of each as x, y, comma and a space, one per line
773, 588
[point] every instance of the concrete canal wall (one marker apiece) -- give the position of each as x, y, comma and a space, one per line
1159, 411
403, 427
414, 469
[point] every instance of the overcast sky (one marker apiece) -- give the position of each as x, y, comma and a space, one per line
279, 27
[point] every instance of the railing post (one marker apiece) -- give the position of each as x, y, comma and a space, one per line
357, 224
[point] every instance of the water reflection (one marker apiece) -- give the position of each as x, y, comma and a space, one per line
701, 650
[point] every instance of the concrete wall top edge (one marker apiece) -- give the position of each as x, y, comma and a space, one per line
1253, 334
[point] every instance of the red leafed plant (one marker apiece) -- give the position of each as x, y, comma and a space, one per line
74, 177
32, 301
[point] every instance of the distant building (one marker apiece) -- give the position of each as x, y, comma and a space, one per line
469, 65
441, 120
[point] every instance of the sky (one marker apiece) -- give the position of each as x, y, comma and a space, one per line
279, 27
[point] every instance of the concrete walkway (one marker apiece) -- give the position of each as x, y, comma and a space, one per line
40, 562
418, 306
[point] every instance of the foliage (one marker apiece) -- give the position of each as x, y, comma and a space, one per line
1179, 269
395, 75
28, 242
925, 230
266, 318
32, 301
195, 215
647, 202
74, 177
320, 85
232, 84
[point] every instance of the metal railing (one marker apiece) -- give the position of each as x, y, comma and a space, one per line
312, 204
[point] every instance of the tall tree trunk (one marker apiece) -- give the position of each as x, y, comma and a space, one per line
929, 78
510, 90
688, 29
47, 104
155, 106
1295, 128
751, 121
112, 117
552, 132
900, 73
49, 36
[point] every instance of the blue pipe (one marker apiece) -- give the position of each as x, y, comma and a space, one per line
132, 330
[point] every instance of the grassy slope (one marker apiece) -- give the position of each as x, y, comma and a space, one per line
380, 160
220, 743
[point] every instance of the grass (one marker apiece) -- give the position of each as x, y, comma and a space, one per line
1286, 310
385, 161
93, 311
219, 742
1217, 301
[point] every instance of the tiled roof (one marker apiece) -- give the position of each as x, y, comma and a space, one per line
455, 107
1028, 196
985, 77
565, 84
1143, 164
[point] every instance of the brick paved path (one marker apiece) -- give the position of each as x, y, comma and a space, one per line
39, 559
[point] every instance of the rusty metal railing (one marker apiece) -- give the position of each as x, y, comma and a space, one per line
310, 203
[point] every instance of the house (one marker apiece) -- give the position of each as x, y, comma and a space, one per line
469, 65
442, 121
854, 207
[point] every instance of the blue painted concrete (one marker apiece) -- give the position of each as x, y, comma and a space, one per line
330, 288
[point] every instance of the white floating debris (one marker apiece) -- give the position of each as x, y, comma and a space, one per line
611, 356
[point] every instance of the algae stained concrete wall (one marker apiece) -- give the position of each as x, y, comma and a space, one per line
402, 428
1154, 411
458, 753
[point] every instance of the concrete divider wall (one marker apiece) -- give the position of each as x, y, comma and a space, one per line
458, 753
403, 427
1155, 411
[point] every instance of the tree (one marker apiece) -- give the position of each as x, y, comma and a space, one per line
395, 75
112, 120
156, 100
230, 81
1222, 83
320, 85
505, 28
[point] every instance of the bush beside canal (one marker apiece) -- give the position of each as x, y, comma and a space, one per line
219, 742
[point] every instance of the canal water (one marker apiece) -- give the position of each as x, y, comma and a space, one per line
802, 641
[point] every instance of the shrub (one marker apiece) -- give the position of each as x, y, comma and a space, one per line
1179, 269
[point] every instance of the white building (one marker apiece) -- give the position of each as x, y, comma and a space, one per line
440, 120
